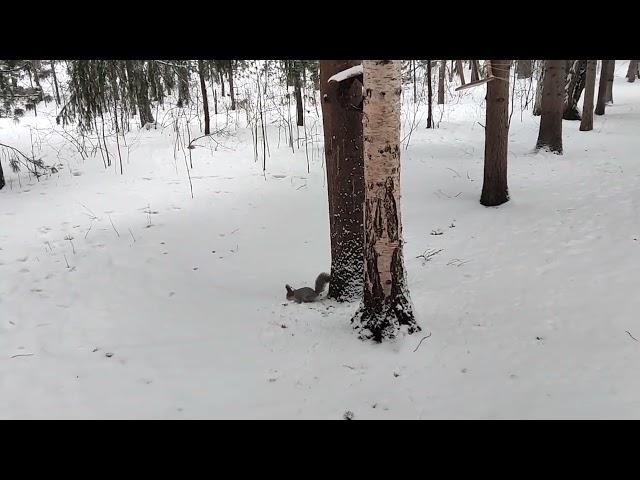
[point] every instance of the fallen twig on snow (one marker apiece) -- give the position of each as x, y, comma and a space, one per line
631, 335
423, 338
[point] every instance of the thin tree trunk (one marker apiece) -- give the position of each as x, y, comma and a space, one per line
342, 124
550, 133
573, 89
523, 69
386, 305
441, 77
231, 89
205, 100
222, 83
298, 93
55, 81
587, 108
610, 74
632, 72
495, 190
602, 88
429, 96
215, 101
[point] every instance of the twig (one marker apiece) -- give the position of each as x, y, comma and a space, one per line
114, 227
22, 355
631, 335
348, 366
423, 338
427, 255
134, 238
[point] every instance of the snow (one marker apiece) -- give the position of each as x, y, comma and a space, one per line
345, 74
530, 308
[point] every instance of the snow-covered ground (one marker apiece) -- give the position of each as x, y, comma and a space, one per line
123, 297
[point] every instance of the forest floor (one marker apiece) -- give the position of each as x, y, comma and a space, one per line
121, 296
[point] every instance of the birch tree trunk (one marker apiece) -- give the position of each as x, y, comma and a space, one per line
342, 124
386, 308
550, 133
494, 188
587, 108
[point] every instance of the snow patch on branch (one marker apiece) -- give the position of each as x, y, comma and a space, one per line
345, 74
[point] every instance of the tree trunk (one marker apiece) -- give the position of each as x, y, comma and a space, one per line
460, 69
573, 90
610, 74
2, 184
550, 133
451, 71
587, 108
183, 85
222, 83
537, 105
523, 69
298, 93
632, 72
231, 90
441, 74
205, 100
215, 101
429, 97
386, 305
138, 82
475, 70
496, 135
602, 88
55, 81
342, 123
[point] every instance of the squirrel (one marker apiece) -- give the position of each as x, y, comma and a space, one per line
307, 294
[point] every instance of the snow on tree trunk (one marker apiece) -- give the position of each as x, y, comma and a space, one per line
587, 108
342, 123
550, 132
386, 308
602, 88
573, 90
494, 188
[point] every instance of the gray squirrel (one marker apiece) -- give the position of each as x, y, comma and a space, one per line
307, 294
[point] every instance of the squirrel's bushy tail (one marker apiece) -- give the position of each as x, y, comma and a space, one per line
322, 281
